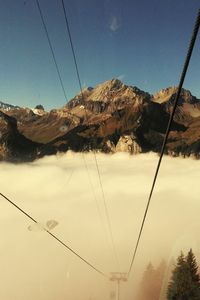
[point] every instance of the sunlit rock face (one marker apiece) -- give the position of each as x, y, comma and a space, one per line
128, 143
188, 105
110, 117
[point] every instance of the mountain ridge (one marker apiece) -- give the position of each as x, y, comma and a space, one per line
113, 117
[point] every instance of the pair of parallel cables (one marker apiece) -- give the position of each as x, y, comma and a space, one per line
183, 74
96, 162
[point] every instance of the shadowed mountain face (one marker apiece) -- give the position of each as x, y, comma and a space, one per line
13, 145
110, 117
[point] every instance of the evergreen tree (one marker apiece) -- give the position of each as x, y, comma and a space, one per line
185, 282
193, 268
158, 279
150, 286
146, 287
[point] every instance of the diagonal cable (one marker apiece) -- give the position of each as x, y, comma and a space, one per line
51, 48
72, 48
62, 85
96, 162
54, 236
183, 74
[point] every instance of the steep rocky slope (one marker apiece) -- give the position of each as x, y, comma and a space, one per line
13, 145
110, 117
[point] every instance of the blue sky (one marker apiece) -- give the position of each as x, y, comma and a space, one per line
142, 42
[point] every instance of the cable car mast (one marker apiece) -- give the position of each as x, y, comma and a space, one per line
118, 277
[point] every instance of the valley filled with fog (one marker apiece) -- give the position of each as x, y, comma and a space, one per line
66, 189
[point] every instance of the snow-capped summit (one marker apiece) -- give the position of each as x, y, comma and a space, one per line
6, 106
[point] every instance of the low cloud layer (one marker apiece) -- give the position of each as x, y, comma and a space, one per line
66, 189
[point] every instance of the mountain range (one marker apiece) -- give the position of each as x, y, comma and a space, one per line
110, 117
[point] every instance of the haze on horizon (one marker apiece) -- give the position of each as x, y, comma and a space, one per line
59, 188
143, 43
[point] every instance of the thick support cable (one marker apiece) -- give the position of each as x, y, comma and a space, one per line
183, 74
54, 236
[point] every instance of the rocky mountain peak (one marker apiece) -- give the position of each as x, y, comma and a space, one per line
106, 90
40, 107
169, 93
109, 93
6, 106
164, 94
110, 117
113, 84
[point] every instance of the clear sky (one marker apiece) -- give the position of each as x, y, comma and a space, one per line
141, 42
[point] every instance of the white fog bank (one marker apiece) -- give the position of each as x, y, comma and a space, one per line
66, 188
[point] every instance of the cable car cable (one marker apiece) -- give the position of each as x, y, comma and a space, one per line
54, 236
96, 162
51, 48
60, 78
183, 74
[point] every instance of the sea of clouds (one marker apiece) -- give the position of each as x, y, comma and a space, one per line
66, 189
